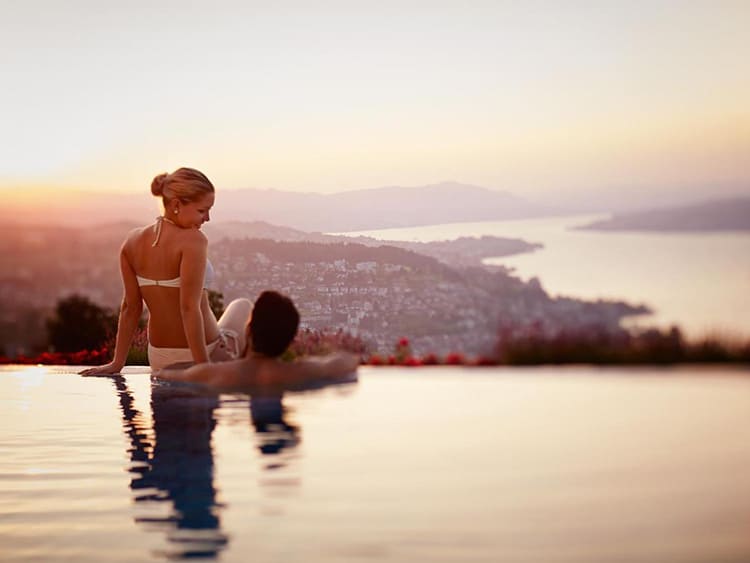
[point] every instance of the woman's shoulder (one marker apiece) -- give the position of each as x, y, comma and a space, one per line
193, 237
143, 237
135, 235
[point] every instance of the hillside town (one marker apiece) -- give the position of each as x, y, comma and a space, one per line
377, 293
381, 298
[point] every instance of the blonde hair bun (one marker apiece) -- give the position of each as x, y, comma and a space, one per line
185, 184
157, 185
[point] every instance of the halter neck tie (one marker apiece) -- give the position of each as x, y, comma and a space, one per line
158, 228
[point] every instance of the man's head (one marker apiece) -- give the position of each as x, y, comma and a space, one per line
273, 324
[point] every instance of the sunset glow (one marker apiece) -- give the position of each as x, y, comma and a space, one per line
528, 98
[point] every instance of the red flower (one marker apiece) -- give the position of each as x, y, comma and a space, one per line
430, 360
455, 359
375, 360
485, 361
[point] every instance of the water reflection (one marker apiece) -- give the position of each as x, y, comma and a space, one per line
173, 461
275, 434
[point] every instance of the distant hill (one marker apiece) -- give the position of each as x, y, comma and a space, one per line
718, 215
464, 251
375, 208
216, 231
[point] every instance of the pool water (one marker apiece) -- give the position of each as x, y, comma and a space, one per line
574, 464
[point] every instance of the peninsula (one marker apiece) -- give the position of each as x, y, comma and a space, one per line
716, 215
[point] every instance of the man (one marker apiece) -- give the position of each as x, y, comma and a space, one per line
272, 328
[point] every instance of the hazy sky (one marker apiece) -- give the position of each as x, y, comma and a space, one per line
325, 96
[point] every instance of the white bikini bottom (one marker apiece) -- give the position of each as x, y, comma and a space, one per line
224, 348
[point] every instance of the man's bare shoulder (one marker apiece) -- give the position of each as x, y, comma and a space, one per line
233, 372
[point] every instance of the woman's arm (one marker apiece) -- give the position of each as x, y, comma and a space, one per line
192, 272
127, 322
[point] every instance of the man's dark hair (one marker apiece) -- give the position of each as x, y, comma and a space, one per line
273, 324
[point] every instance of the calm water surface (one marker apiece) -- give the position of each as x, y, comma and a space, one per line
433, 464
699, 281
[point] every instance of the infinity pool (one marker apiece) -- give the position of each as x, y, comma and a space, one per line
432, 464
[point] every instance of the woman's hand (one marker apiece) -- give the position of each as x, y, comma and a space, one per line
107, 369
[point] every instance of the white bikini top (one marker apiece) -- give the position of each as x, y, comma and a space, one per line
208, 279
208, 276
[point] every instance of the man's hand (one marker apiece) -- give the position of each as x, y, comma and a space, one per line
169, 374
107, 369
345, 362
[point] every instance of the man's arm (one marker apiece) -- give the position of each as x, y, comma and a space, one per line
273, 374
206, 373
306, 370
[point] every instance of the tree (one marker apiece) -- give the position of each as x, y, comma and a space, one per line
79, 324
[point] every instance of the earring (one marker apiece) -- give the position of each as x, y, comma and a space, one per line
176, 211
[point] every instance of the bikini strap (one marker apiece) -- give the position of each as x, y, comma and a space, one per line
158, 228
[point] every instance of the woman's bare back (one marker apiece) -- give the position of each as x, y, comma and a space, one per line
160, 262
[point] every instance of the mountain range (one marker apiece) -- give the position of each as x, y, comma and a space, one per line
381, 208
375, 208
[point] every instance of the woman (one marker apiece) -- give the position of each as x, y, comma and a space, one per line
165, 265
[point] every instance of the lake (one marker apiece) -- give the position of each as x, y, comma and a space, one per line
583, 464
699, 281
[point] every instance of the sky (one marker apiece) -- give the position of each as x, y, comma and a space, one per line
537, 98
